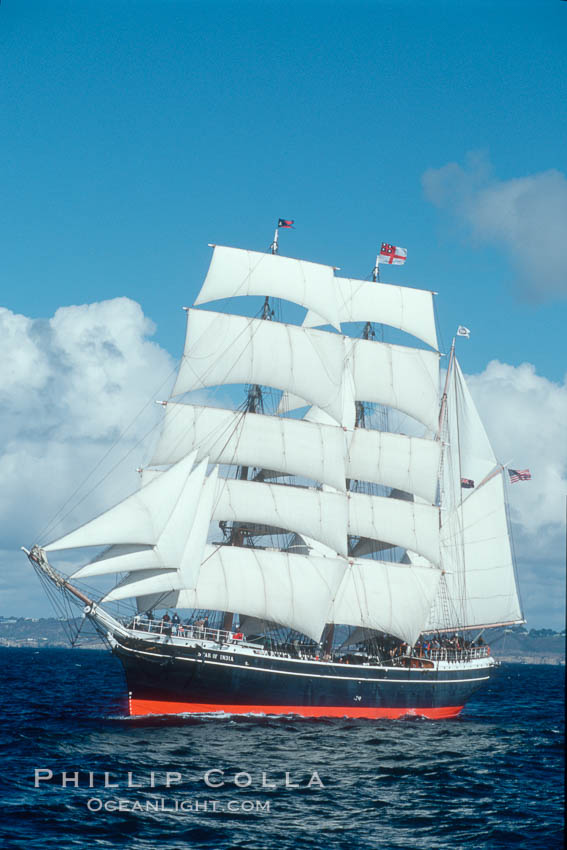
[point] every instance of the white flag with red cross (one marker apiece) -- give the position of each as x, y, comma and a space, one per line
392, 254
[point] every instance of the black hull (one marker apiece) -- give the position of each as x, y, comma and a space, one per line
165, 679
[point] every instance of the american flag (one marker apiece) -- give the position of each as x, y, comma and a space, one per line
285, 222
519, 475
467, 483
392, 254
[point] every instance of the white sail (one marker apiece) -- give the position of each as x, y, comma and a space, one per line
251, 439
293, 590
226, 349
321, 515
478, 560
397, 376
235, 272
181, 544
318, 514
468, 453
314, 414
168, 551
401, 523
147, 475
120, 558
479, 585
391, 598
138, 519
410, 310
394, 460
196, 540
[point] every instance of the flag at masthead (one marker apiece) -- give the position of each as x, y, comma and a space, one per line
391, 254
285, 223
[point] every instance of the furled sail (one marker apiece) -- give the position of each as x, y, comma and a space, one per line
410, 310
235, 272
252, 439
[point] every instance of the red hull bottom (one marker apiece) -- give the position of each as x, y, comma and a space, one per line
139, 707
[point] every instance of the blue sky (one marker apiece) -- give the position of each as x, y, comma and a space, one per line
134, 133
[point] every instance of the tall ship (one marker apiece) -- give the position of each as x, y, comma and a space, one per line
332, 540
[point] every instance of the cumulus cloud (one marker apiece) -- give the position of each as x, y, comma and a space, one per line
72, 385
525, 216
525, 414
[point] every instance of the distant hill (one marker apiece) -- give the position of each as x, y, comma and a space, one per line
538, 646
47, 632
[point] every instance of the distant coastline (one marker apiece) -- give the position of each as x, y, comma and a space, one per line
516, 645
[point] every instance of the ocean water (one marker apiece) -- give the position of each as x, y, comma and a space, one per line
492, 778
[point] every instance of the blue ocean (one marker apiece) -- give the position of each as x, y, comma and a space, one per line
78, 773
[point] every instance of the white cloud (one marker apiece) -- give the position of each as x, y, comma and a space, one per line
525, 216
71, 386
525, 415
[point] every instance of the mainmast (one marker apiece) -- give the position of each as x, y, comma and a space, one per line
254, 404
376, 269
368, 333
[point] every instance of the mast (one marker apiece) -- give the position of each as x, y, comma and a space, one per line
254, 404
274, 245
376, 269
368, 333
445, 388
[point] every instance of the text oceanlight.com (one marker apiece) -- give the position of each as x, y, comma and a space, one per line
172, 805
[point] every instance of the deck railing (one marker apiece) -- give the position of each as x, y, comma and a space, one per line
184, 630
200, 632
453, 654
